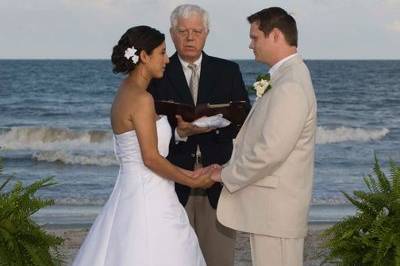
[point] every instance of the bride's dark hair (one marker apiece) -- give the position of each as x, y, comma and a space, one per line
141, 38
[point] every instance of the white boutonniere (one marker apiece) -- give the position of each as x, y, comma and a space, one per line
131, 53
262, 84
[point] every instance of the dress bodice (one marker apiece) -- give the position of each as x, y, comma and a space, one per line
127, 148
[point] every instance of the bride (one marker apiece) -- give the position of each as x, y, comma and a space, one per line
142, 223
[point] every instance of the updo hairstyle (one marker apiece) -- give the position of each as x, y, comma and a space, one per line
139, 38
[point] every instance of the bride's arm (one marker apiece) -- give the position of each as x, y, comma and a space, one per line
196, 173
144, 119
186, 172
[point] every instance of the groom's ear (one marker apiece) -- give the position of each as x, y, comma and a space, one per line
275, 34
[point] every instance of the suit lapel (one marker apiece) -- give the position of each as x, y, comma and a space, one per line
244, 126
280, 72
178, 80
276, 77
206, 80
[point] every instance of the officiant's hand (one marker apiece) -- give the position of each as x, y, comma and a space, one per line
186, 129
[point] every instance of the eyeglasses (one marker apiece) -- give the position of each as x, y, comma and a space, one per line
186, 32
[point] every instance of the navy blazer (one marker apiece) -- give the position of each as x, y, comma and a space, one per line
220, 82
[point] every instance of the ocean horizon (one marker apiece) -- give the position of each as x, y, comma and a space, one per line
55, 122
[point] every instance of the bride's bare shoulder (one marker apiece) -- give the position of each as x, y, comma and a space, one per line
132, 97
144, 98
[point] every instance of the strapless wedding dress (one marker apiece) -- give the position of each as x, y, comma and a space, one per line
142, 223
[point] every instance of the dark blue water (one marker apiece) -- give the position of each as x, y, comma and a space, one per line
54, 122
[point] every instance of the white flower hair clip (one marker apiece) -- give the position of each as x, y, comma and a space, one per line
130, 53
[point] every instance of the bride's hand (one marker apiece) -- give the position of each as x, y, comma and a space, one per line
199, 172
187, 172
205, 170
215, 171
203, 181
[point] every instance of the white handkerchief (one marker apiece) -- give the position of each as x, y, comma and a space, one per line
216, 121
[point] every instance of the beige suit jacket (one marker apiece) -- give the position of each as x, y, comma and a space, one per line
268, 180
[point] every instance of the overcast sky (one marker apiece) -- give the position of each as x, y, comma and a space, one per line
328, 29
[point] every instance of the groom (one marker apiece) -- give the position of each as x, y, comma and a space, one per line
268, 180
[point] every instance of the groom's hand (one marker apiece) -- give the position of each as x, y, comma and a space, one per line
204, 170
186, 129
213, 170
204, 181
216, 173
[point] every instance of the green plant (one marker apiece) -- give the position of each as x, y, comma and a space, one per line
22, 241
372, 235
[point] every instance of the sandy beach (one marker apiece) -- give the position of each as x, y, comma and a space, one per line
74, 237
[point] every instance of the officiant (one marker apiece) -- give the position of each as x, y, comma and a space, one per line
193, 77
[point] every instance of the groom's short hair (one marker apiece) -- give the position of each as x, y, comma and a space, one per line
276, 17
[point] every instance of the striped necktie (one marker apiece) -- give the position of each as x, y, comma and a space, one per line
194, 82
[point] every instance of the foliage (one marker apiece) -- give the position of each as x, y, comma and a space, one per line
372, 235
22, 241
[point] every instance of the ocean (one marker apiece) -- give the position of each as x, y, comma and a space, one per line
54, 121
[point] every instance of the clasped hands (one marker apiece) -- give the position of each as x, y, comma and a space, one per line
209, 175
204, 177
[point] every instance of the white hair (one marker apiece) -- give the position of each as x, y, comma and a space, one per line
187, 10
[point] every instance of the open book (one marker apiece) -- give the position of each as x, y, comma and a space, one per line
232, 111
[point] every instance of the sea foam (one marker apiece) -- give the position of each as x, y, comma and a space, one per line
91, 147
342, 134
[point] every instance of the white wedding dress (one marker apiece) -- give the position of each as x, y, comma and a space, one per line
142, 223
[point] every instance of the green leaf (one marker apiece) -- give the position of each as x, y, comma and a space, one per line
22, 241
384, 183
372, 235
267, 77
